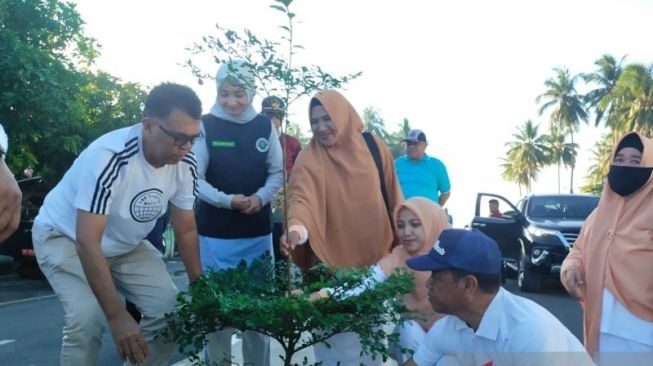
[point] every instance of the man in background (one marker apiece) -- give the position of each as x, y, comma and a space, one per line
494, 209
420, 174
275, 108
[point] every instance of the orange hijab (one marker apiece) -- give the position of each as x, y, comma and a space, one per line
335, 192
615, 251
434, 220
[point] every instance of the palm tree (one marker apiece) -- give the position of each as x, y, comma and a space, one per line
396, 143
567, 104
526, 154
601, 156
633, 99
606, 76
375, 123
559, 151
404, 128
511, 173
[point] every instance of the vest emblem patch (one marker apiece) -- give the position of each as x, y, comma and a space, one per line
262, 145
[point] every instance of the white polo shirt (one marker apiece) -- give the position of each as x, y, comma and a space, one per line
514, 331
111, 177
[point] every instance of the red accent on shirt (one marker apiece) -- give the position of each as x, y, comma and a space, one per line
292, 147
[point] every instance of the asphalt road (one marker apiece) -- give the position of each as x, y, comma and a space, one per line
31, 318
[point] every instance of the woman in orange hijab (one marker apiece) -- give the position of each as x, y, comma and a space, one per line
610, 267
334, 198
335, 201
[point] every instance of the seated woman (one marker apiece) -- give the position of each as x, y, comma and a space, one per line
419, 222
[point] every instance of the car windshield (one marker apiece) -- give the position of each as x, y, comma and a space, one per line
562, 207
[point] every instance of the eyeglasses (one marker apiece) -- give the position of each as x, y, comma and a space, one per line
180, 140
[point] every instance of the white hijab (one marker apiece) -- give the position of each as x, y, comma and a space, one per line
239, 73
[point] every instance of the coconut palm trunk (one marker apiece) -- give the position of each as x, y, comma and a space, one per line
572, 165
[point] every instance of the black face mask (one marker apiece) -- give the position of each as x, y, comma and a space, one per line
625, 180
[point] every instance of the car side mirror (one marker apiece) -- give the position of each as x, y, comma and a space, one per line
516, 215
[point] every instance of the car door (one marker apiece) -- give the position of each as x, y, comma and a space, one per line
505, 230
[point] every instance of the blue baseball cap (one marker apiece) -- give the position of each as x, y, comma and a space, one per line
467, 250
415, 136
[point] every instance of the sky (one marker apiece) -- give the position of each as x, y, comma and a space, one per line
466, 72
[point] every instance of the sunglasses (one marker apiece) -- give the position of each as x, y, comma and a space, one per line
412, 143
271, 114
180, 140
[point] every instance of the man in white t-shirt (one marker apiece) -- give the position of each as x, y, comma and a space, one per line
89, 236
486, 325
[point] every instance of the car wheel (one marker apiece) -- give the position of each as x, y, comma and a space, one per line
30, 269
527, 280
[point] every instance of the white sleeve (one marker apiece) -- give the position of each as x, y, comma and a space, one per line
4, 140
99, 176
303, 233
544, 343
428, 353
274, 163
206, 192
376, 276
186, 193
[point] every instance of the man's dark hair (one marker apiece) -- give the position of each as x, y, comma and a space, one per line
166, 97
489, 284
494, 201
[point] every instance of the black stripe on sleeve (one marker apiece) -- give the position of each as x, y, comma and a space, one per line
102, 189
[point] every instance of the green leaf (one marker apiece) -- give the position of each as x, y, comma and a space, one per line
277, 7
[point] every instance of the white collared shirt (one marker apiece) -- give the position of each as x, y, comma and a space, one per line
514, 331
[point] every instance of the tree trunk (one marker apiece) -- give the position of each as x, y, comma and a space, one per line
573, 164
558, 176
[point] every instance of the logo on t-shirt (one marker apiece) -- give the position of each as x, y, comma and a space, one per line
262, 145
147, 205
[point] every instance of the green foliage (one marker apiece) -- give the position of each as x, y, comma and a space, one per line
271, 61
633, 99
601, 155
526, 155
255, 298
605, 77
50, 102
376, 124
558, 150
568, 106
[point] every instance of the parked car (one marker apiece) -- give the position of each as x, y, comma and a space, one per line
17, 250
535, 235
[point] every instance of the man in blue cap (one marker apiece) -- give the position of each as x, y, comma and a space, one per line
486, 325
